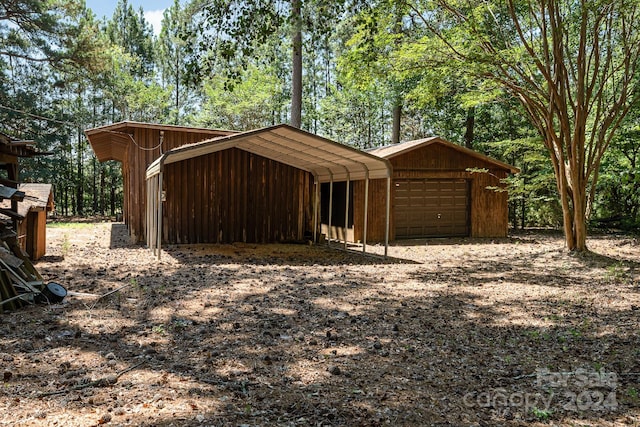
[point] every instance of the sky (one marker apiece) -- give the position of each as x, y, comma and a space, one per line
153, 9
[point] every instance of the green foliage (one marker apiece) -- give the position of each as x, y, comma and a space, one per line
214, 64
541, 55
618, 198
42, 31
541, 414
129, 30
172, 53
252, 104
356, 118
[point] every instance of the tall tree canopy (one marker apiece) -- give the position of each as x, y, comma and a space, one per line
571, 64
544, 85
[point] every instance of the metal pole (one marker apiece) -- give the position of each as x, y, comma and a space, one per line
330, 208
151, 218
147, 222
315, 209
346, 212
386, 229
366, 212
159, 213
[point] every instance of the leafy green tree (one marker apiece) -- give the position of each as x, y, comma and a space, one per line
618, 203
570, 64
380, 31
356, 117
250, 105
43, 31
130, 30
229, 32
171, 55
48, 52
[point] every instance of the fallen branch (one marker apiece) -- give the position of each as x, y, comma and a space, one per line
90, 295
23, 297
107, 294
114, 291
100, 382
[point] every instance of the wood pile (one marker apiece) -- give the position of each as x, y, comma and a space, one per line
20, 282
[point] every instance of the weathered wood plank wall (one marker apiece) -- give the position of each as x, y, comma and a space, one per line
236, 196
139, 156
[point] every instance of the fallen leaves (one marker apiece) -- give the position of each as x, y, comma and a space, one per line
298, 335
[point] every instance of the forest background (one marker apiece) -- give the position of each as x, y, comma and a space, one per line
370, 74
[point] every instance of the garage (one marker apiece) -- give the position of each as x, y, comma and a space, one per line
431, 207
439, 189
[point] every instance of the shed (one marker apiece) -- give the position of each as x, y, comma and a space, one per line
257, 186
10, 151
136, 145
34, 202
32, 231
439, 189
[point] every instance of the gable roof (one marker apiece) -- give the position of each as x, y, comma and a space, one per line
324, 158
110, 142
38, 196
391, 151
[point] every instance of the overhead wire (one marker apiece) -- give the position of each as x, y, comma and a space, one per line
68, 123
36, 116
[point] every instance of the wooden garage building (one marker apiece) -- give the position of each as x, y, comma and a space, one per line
136, 145
439, 189
193, 185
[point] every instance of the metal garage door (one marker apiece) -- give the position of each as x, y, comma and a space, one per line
431, 207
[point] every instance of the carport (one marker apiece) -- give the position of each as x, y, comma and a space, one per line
325, 160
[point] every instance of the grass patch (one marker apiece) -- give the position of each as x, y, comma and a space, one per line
71, 225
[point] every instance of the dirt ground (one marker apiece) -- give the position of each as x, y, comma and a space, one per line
446, 332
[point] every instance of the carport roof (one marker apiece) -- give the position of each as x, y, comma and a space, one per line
325, 159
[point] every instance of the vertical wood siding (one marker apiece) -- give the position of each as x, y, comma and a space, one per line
139, 156
488, 208
236, 196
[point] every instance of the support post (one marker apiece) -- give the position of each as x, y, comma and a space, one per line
159, 214
151, 218
147, 218
388, 211
315, 209
366, 212
330, 209
346, 212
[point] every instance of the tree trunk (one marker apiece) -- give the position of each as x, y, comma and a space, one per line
573, 199
80, 177
177, 100
112, 195
94, 189
469, 125
103, 185
296, 78
523, 208
397, 116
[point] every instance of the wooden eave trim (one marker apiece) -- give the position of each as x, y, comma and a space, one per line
459, 148
123, 126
